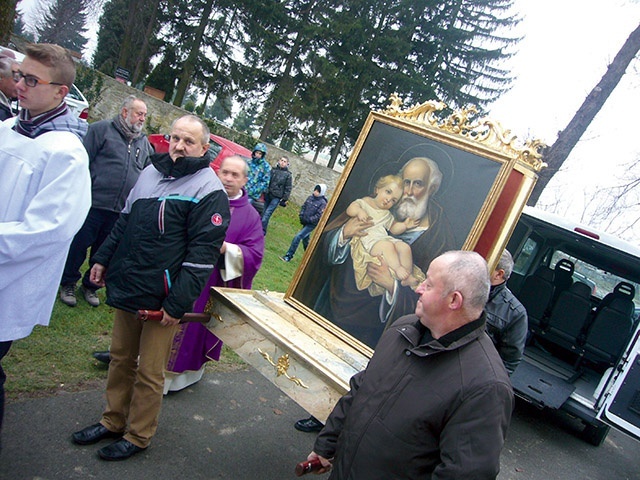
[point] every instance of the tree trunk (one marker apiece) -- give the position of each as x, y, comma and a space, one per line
126, 46
189, 65
7, 16
284, 87
336, 148
321, 143
142, 56
557, 153
211, 82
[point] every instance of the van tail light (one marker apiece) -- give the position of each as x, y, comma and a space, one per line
586, 232
84, 114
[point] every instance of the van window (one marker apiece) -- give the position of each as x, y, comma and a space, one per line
600, 281
526, 256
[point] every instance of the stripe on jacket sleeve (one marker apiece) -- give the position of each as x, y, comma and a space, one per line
197, 265
179, 197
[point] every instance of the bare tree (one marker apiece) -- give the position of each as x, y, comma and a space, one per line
557, 153
617, 209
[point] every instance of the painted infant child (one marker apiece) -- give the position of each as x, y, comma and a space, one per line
377, 242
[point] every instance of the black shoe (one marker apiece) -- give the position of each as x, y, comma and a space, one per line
120, 450
104, 357
93, 434
311, 424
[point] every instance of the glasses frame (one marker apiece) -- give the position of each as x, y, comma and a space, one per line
31, 81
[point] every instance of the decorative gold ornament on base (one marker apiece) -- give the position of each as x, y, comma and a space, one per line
282, 366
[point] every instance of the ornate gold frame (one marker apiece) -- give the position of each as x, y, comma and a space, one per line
517, 164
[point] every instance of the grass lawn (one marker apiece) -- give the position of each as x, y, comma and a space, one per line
58, 357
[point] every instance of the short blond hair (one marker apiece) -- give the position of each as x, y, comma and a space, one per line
63, 69
388, 180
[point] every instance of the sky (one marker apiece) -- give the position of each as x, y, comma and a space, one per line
566, 47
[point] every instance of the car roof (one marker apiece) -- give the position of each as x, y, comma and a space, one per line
599, 248
19, 56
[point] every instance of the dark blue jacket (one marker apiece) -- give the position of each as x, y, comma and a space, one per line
312, 209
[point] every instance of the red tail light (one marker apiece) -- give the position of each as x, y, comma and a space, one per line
84, 114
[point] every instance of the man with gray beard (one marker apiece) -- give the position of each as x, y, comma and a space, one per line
118, 152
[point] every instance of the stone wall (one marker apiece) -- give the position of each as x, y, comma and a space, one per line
105, 96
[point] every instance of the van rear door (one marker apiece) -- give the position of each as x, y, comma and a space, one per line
621, 408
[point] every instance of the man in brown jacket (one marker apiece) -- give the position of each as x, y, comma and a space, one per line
435, 400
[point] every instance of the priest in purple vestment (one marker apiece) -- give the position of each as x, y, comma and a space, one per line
240, 259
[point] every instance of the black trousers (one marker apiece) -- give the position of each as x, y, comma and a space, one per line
4, 349
93, 233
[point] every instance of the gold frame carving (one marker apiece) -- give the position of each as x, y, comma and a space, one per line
461, 122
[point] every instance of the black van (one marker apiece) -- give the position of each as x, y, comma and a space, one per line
580, 289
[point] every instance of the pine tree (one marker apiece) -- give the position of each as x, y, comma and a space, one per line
205, 34
165, 74
112, 23
279, 38
422, 49
19, 28
323, 66
63, 22
127, 37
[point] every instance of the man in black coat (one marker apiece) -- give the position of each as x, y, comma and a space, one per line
158, 256
118, 151
507, 323
278, 191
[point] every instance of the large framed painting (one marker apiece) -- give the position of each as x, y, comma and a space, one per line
414, 187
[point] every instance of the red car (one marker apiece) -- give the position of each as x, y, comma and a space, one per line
219, 147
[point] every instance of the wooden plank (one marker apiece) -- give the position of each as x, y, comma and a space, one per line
315, 365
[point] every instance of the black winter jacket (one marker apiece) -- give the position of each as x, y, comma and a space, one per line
507, 325
312, 209
280, 183
167, 240
422, 409
114, 162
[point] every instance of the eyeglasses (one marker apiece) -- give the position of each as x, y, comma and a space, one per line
31, 81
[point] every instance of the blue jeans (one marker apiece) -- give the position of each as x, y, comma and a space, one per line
270, 205
93, 233
303, 235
